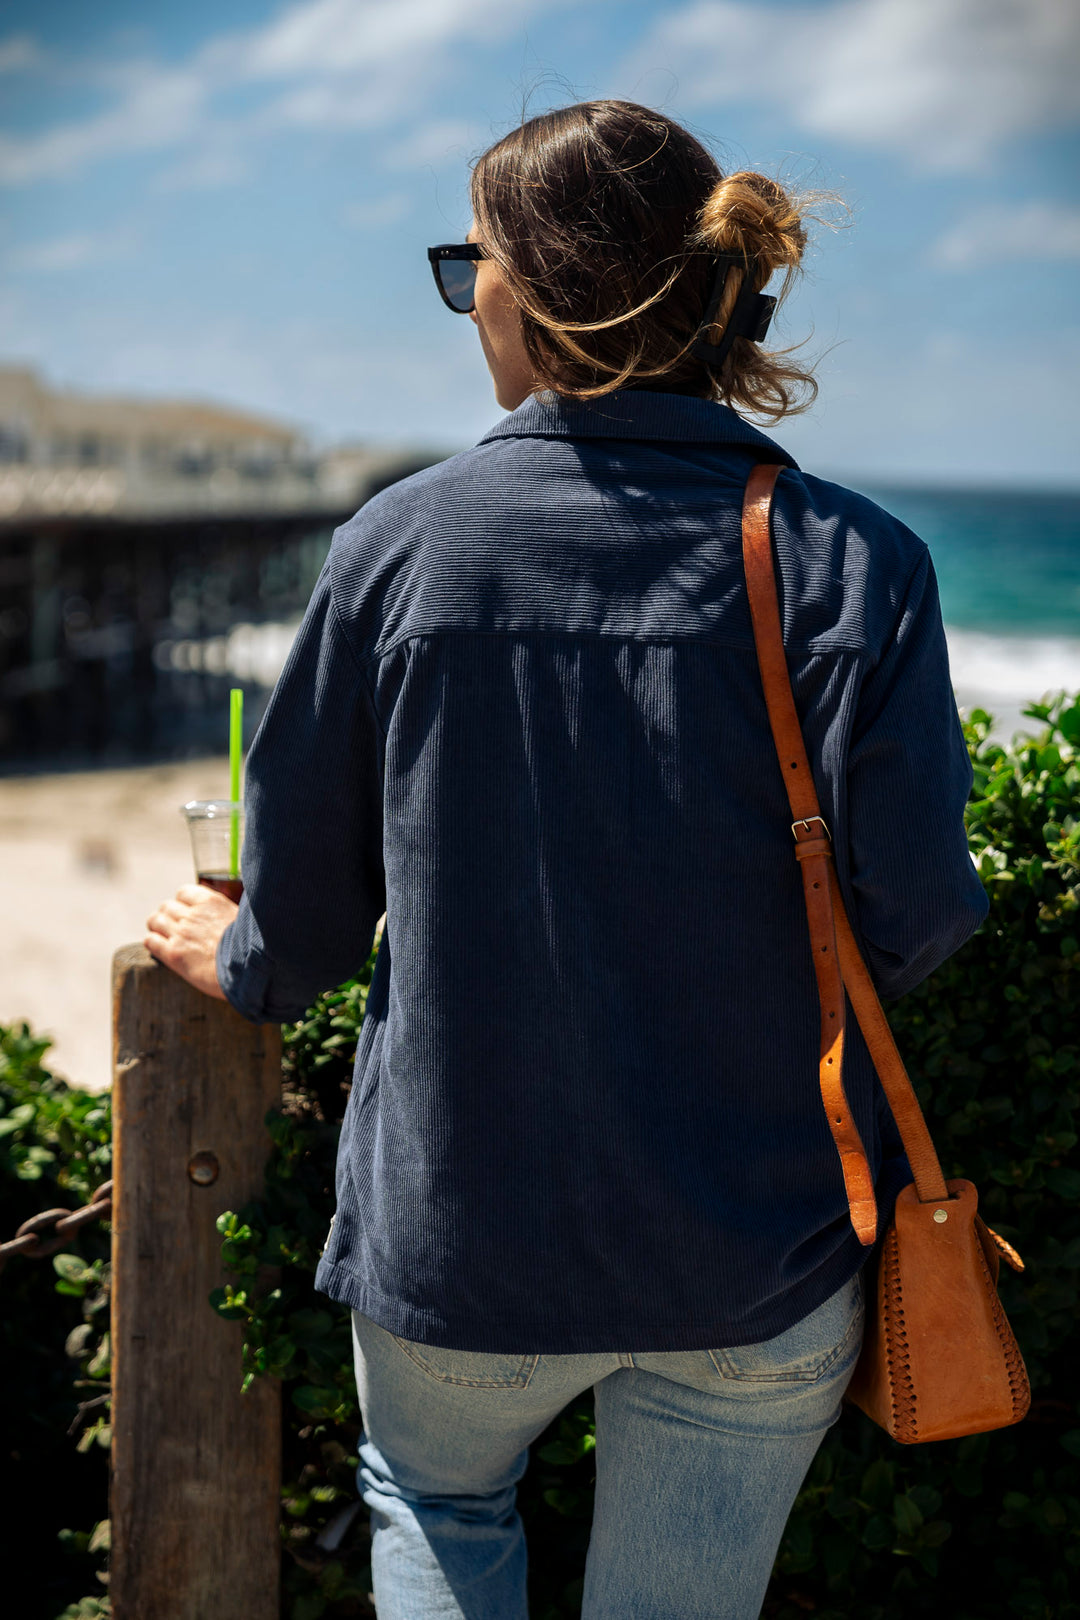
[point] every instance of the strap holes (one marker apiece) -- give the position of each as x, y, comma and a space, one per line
794, 764
824, 948
832, 1015
829, 1062
817, 885
839, 1121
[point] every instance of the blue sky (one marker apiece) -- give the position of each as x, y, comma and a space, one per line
232, 201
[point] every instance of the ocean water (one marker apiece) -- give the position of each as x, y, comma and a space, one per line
1008, 566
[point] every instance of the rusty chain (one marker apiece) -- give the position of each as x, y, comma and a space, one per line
28, 1239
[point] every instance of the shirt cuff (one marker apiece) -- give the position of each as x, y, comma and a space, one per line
244, 976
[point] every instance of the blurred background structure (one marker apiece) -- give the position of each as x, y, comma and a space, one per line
219, 336
152, 553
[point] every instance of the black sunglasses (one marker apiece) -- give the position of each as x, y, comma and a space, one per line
453, 264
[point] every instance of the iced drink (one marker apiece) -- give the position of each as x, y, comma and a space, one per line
231, 887
217, 829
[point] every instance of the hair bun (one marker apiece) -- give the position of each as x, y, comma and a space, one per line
752, 217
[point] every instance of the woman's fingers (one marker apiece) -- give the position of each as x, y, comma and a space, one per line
194, 894
189, 897
183, 934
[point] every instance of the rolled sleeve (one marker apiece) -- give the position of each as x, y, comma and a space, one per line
916, 896
312, 861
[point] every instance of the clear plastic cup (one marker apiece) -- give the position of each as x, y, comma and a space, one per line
210, 823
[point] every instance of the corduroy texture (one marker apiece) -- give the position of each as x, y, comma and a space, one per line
524, 715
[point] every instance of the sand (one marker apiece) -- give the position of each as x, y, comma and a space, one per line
84, 859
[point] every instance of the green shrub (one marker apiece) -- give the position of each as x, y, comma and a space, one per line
55, 1150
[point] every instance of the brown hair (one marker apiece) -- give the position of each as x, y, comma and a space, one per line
605, 219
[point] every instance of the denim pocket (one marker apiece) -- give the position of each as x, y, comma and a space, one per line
475, 1368
824, 1342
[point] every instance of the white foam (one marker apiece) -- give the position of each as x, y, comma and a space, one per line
1004, 673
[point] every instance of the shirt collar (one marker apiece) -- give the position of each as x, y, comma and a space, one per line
634, 414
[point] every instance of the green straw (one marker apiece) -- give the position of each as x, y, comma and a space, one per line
236, 735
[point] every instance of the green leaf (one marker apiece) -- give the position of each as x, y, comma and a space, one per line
318, 1401
876, 1488
907, 1515
559, 1453
880, 1532
76, 1342
1069, 724
100, 1537
98, 1366
926, 1499
72, 1267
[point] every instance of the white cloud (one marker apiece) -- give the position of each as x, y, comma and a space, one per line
1032, 231
336, 37
160, 109
321, 64
945, 82
74, 252
18, 51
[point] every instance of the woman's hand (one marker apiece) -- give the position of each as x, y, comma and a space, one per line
184, 933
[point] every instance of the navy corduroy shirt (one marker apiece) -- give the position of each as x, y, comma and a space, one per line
523, 715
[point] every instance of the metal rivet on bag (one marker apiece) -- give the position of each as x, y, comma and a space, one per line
941, 1215
203, 1168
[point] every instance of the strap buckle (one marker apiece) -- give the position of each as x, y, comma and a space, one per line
806, 823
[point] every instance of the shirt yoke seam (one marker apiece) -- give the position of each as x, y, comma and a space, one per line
362, 665
672, 638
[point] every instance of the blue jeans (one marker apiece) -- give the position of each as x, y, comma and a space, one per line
699, 1455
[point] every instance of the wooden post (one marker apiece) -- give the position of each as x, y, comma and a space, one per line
196, 1466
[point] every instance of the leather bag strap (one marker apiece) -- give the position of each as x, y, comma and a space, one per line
838, 962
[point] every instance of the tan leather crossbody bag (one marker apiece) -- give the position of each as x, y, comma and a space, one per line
939, 1359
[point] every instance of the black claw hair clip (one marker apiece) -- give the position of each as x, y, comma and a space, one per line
750, 316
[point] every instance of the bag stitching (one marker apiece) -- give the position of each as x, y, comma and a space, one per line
897, 1350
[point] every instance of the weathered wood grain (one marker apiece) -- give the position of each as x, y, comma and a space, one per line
196, 1466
